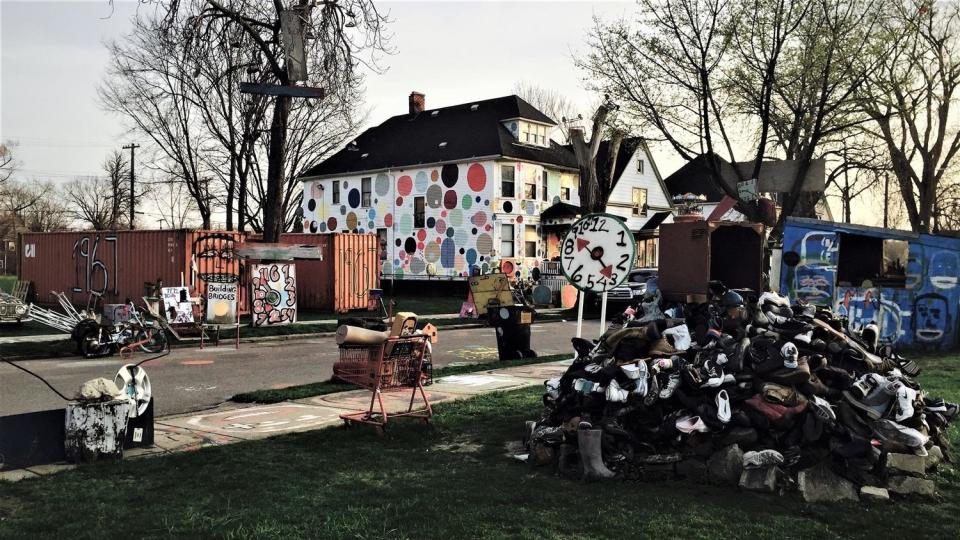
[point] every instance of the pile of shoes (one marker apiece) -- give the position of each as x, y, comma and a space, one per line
746, 389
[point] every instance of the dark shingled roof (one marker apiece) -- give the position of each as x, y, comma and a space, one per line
628, 147
410, 140
694, 177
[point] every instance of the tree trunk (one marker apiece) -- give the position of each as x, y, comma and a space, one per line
273, 219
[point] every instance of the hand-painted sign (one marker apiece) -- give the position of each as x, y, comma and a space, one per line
176, 304
274, 294
597, 253
222, 303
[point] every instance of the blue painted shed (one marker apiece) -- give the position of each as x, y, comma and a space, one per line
905, 282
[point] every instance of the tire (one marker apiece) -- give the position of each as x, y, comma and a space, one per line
158, 341
88, 344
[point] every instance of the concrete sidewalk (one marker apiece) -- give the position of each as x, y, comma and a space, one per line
234, 422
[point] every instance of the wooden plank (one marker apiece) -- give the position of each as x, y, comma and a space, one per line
279, 252
278, 90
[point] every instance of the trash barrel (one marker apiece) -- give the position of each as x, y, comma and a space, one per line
512, 325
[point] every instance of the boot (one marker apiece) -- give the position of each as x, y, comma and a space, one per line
591, 456
567, 462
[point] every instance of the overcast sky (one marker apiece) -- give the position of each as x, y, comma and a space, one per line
52, 58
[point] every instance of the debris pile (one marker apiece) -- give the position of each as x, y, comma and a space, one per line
745, 389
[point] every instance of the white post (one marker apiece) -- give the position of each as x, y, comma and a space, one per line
603, 314
580, 300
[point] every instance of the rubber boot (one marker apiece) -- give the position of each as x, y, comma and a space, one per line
591, 456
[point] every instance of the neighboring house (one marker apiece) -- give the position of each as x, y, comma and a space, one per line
694, 177
459, 190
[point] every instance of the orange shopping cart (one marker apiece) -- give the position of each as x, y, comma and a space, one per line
392, 366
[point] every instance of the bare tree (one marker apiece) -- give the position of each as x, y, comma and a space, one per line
712, 76
147, 82
177, 209
550, 102
8, 165
118, 172
335, 34
89, 201
49, 212
911, 100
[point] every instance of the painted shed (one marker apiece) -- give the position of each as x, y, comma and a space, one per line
905, 282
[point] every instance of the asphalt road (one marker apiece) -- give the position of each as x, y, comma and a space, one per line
193, 379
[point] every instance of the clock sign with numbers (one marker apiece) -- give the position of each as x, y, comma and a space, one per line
597, 253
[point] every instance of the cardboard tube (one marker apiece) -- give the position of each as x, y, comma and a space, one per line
354, 335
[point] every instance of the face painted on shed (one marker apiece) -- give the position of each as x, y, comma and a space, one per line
944, 266
216, 258
930, 317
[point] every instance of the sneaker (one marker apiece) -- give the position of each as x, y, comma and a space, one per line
822, 409
723, 406
888, 430
790, 354
671, 387
906, 396
862, 386
615, 394
762, 458
875, 404
689, 424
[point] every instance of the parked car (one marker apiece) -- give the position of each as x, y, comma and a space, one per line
12, 310
627, 293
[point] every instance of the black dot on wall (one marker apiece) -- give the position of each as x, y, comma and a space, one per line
508, 207
410, 245
398, 242
313, 225
311, 205
462, 251
431, 222
473, 230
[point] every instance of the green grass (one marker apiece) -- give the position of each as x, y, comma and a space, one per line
329, 387
7, 283
451, 481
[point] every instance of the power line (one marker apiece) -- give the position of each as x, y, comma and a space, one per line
133, 196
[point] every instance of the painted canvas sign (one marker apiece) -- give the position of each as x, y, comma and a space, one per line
176, 304
274, 294
222, 303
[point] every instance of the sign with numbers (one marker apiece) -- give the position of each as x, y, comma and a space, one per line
597, 253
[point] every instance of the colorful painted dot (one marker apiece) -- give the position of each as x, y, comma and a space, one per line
404, 185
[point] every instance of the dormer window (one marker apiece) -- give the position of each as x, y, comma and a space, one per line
531, 133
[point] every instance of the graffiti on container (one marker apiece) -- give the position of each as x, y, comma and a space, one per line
177, 306
214, 258
91, 273
274, 294
931, 317
813, 275
881, 306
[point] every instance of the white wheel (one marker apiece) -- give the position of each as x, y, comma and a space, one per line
135, 384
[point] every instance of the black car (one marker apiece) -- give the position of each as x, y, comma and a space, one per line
627, 293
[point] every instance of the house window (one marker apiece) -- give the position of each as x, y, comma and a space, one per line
565, 193
506, 240
530, 188
881, 262
543, 186
639, 165
530, 239
419, 214
365, 192
506, 181
639, 201
336, 192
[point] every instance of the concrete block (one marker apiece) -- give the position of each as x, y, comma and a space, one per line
911, 485
906, 464
820, 484
874, 494
726, 465
762, 479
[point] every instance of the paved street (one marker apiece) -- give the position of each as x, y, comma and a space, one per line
193, 379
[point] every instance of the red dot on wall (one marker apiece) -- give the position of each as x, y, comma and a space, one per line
404, 185
388, 220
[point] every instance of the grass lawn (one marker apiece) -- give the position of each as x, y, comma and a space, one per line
7, 283
329, 387
449, 481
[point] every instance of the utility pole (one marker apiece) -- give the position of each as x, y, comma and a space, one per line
886, 198
133, 148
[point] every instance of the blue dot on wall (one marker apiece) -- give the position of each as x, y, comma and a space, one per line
471, 256
486, 202
448, 251
450, 232
353, 198
478, 198
396, 262
370, 224
420, 182
431, 222
372, 213
343, 210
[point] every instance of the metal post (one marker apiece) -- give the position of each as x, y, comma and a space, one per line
132, 147
580, 300
603, 314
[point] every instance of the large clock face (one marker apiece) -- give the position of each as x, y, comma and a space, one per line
597, 253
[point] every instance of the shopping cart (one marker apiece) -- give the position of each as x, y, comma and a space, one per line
392, 366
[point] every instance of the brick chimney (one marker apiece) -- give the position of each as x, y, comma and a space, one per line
417, 102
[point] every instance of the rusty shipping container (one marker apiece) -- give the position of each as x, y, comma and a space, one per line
692, 253
118, 264
340, 281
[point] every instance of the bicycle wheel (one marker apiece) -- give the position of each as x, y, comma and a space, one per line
156, 343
